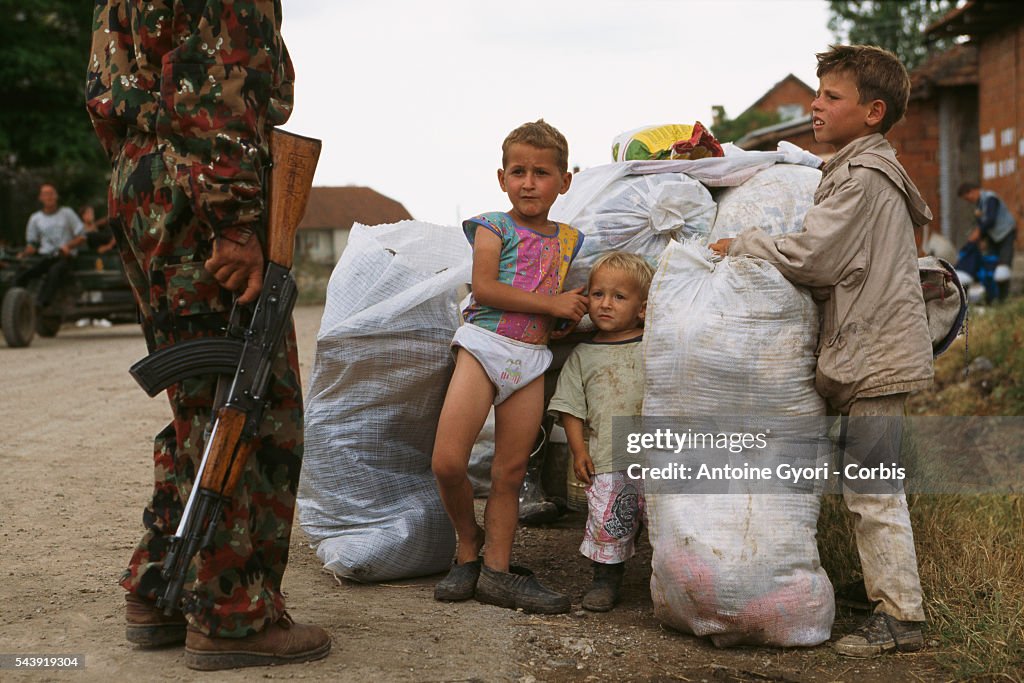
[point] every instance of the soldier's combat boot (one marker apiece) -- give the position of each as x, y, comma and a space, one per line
283, 642
604, 592
148, 626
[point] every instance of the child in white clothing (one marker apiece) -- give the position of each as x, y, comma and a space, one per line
520, 259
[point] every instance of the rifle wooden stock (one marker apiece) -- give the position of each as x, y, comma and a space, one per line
294, 158
228, 452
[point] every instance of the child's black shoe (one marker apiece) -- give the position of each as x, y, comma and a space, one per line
460, 584
604, 592
519, 589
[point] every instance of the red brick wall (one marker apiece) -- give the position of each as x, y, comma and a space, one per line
1001, 109
787, 92
916, 140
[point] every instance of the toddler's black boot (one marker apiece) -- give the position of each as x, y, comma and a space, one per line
604, 592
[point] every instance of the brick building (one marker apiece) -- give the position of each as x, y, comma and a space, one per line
997, 30
790, 98
937, 140
323, 232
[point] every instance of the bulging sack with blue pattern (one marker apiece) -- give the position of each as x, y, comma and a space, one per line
367, 497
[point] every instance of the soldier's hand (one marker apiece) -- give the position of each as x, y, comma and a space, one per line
237, 267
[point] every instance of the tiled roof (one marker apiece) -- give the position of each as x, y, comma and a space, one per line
340, 207
956, 66
977, 17
779, 84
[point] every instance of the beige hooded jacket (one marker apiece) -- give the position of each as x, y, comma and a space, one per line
857, 254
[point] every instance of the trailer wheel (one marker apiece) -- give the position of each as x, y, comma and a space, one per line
18, 317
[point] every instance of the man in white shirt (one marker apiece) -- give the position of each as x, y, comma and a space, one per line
54, 232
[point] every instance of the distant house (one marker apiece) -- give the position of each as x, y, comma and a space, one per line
330, 214
790, 98
997, 31
798, 131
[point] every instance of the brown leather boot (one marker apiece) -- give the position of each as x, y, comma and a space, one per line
148, 626
283, 642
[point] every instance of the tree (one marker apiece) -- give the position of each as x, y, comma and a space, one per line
896, 26
45, 131
730, 130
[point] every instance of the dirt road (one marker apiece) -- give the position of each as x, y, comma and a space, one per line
75, 433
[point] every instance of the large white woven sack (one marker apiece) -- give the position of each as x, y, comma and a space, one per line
733, 338
775, 200
639, 214
639, 206
367, 497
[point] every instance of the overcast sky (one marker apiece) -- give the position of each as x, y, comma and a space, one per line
413, 98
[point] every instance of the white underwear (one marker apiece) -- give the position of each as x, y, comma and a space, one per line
510, 364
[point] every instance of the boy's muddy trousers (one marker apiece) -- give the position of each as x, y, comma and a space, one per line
885, 541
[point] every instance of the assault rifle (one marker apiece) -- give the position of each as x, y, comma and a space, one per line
247, 353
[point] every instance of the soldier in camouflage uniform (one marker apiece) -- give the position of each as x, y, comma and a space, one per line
182, 96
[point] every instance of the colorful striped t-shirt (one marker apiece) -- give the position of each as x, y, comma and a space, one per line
529, 261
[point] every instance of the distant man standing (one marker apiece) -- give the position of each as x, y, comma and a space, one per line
997, 227
54, 232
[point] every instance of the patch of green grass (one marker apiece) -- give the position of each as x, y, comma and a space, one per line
970, 548
971, 559
970, 553
993, 332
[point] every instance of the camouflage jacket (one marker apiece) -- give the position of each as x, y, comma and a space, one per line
207, 79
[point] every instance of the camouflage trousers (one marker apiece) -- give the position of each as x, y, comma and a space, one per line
234, 586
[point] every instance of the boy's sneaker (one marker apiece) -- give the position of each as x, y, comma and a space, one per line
881, 633
519, 589
604, 592
460, 584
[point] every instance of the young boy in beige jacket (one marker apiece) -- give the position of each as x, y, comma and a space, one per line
857, 254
